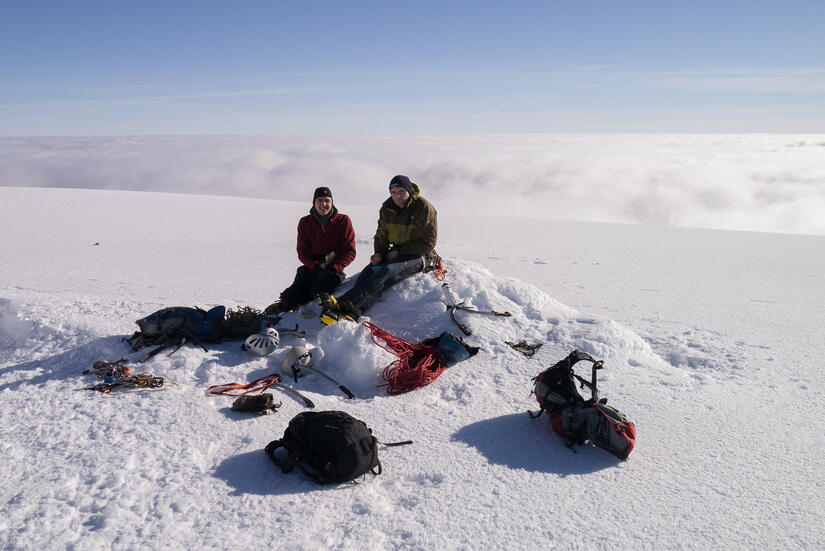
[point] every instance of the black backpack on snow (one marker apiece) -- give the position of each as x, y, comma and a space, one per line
329, 446
577, 420
177, 325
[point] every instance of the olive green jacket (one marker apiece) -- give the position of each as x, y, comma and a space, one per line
412, 230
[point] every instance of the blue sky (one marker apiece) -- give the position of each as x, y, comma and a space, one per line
248, 67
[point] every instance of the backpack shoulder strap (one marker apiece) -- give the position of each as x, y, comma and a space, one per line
287, 464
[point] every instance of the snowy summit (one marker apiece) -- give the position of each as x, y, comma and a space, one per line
710, 341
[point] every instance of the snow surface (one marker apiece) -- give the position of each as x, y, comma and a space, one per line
712, 342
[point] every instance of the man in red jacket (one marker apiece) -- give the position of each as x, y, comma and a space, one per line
326, 245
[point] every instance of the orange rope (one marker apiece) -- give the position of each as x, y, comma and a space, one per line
227, 389
439, 272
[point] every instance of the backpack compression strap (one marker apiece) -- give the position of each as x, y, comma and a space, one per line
577, 356
567, 364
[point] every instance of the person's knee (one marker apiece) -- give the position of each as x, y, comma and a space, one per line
327, 280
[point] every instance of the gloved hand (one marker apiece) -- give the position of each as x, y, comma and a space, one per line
330, 256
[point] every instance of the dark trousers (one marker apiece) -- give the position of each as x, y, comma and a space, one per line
373, 280
308, 284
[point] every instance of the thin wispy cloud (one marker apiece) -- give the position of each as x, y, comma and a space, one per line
139, 100
746, 79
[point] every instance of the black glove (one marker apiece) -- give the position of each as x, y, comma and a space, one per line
260, 404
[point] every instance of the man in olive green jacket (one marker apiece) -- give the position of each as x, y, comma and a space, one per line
404, 245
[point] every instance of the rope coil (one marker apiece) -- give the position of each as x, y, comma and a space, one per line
417, 364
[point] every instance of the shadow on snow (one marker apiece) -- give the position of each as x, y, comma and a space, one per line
519, 442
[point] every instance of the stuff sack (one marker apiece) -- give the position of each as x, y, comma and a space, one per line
453, 349
329, 446
176, 325
577, 420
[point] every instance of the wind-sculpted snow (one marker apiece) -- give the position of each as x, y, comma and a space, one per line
708, 376
13, 328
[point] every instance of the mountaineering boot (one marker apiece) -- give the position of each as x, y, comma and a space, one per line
348, 309
331, 310
328, 302
328, 317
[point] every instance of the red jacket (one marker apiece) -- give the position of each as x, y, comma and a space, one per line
315, 240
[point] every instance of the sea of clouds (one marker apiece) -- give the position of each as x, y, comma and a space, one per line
754, 182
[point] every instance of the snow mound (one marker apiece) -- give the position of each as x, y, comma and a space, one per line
14, 329
189, 443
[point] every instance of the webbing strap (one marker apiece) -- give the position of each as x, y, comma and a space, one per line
230, 389
390, 444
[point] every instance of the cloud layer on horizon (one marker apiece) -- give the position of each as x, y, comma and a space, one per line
773, 183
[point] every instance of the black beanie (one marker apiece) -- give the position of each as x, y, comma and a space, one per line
322, 191
401, 181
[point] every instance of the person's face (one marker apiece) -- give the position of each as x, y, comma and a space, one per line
399, 196
323, 205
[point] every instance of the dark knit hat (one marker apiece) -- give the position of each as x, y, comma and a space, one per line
322, 191
401, 181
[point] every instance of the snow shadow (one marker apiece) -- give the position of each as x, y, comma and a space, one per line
253, 473
519, 442
66, 366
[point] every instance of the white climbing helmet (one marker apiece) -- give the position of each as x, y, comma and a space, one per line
301, 356
263, 343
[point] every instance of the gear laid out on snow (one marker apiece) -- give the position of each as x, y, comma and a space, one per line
241, 322
301, 359
418, 364
263, 343
268, 340
577, 420
117, 378
453, 305
259, 384
177, 325
103, 369
332, 311
328, 446
260, 403
521, 346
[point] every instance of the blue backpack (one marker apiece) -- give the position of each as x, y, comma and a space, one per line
177, 325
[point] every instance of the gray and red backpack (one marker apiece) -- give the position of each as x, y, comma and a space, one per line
577, 420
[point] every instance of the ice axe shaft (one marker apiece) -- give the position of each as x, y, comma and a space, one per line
340, 386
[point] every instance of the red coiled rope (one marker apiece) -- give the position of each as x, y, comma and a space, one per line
417, 364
